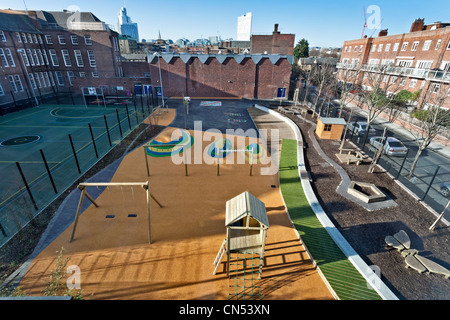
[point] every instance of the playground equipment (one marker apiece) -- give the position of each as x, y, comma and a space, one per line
83, 187
247, 223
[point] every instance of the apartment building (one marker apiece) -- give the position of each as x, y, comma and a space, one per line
42, 53
419, 59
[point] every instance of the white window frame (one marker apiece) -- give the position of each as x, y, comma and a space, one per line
415, 45
91, 57
412, 83
2, 36
66, 57
2, 92
36, 58
3, 58
61, 39
24, 37
88, 40
19, 81
74, 39
38, 80
24, 56
44, 53
426, 45
12, 83
388, 47
48, 39
424, 64
78, 58
19, 38
70, 76
54, 57
30, 56
404, 46
396, 46
59, 78
380, 47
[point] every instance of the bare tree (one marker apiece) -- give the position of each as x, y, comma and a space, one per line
379, 92
347, 82
322, 77
430, 120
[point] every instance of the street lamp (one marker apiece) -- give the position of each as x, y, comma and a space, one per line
160, 78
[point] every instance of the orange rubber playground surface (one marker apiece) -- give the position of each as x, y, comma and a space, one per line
117, 262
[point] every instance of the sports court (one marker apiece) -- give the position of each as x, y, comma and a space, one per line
111, 242
63, 139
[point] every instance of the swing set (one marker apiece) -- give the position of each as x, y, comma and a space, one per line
83, 186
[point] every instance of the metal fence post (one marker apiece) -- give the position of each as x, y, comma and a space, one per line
26, 185
429, 186
107, 130
403, 163
74, 154
93, 140
118, 122
48, 171
128, 116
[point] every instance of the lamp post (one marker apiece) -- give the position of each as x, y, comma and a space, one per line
160, 78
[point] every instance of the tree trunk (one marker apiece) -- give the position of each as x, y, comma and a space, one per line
416, 159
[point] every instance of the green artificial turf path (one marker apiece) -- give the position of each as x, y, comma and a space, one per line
340, 273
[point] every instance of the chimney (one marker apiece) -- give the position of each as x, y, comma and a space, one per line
418, 25
276, 29
383, 33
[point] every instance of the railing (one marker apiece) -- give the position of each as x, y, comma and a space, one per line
436, 75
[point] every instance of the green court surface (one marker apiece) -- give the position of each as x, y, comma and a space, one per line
340, 273
26, 137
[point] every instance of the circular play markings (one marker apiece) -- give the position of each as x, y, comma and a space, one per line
17, 141
78, 113
166, 149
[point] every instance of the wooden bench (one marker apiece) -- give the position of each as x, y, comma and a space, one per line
286, 111
346, 150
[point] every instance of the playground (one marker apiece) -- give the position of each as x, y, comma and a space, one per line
128, 245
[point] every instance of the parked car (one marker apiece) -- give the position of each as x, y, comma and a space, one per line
359, 128
393, 146
445, 189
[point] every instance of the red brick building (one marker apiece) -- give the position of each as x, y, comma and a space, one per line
419, 59
221, 75
276, 43
43, 53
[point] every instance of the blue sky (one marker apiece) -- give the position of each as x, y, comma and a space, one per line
322, 23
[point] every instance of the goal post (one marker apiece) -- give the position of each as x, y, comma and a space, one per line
83, 186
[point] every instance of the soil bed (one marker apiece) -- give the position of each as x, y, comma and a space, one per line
366, 230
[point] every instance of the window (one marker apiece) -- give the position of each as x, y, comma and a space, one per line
116, 44
47, 79
445, 65
30, 39
2, 93
404, 46
414, 46
396, 45
355, 49
82, 74
380, 48
48, 39
66, 58
10, 58
54, 57
388, 47
40, 39
3, 58
386, 78
43, 79
24, 38
35, 57
2, 36
71, 76
44, 53
394, 79
91, 57
360, 48
426, 45
374, 47
424, 64
59, 78
435, 87
413, 83
327, 127
448, 46
87, 40
30, 57
51, 78
13, 84
94, 74
19, 39
79, 58
24, 56
61, 39
74, 40
35, 38
404, 63
345, 50
18, 82
403, 81
41, 58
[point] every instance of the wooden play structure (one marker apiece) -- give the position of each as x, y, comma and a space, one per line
83, 186
246, 223
330, 128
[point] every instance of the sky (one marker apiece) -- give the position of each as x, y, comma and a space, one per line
325, 23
